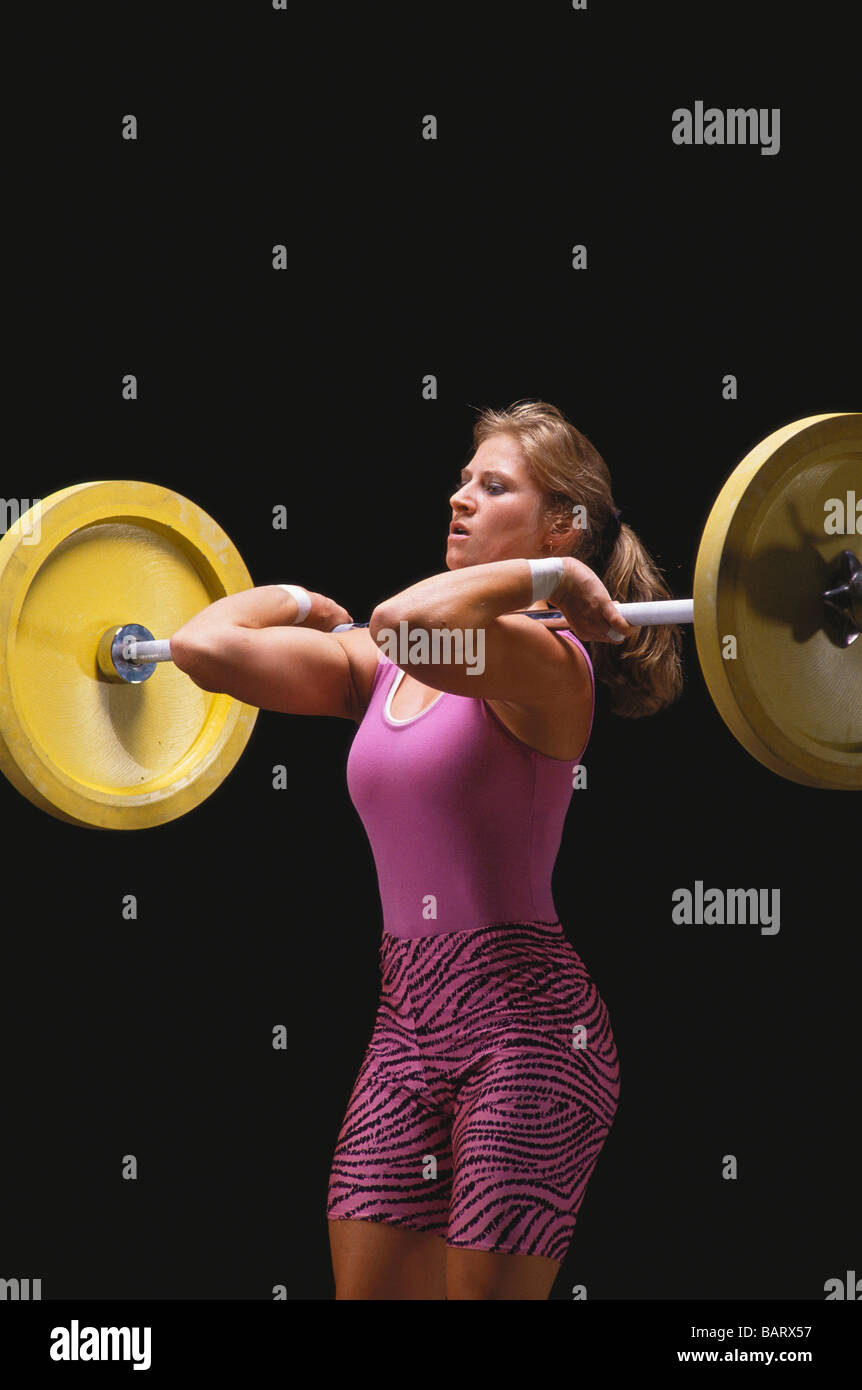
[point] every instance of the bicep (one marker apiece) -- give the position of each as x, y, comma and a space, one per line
292, 670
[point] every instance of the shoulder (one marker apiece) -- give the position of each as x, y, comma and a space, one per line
556, 720
579, 655
560, 652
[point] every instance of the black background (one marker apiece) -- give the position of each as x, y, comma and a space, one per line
257, 388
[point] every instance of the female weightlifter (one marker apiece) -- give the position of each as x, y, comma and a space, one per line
491, 1079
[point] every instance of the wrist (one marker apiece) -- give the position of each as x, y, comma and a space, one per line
301, 598
314, 610
548, 577
568, 580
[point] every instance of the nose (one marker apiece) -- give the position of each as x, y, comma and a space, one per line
456, 498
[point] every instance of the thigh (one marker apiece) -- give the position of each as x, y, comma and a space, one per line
391, 1175
392, 1161
374, 1260
535, 1105
522, 1159
393, 1157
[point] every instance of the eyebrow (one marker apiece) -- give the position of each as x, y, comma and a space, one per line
501, 472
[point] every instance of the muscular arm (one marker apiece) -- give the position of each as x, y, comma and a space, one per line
523, 663
244, 646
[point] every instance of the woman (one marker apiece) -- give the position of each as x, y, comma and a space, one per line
491, 1079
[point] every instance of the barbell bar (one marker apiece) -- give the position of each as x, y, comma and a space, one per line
124, 649
131, 653
88, 736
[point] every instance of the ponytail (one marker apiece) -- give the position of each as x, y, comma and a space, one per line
644, 673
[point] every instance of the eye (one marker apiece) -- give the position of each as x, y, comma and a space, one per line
490, 485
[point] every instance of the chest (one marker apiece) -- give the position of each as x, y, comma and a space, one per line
556, 736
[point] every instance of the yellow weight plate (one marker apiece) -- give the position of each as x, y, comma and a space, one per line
791, 697
122, 757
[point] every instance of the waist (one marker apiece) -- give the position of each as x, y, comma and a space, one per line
490, 951
550, 931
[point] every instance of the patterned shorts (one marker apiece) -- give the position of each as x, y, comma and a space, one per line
488, 1088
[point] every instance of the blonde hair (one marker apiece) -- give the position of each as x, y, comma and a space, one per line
643, 673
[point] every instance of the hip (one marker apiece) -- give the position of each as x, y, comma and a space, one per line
499, 970
512, 999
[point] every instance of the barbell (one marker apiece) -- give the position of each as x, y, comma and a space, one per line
87, 734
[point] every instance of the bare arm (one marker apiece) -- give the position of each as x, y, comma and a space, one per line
245, 646
522, 664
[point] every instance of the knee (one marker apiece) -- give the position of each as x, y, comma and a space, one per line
487, 1275
470, 1291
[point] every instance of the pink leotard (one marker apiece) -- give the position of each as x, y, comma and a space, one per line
464, 819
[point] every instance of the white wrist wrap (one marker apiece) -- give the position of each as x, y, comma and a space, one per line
302, 600
546, 576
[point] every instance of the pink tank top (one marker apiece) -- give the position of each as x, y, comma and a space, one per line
464, 819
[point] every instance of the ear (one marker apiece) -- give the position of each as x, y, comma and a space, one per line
567, 532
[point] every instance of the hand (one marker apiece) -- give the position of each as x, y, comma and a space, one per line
587, 606
325, 613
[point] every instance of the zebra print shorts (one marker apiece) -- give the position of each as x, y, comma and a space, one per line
488, 1088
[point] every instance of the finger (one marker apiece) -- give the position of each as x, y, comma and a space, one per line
613, 634
618, 629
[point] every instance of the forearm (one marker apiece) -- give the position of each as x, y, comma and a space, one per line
267, 606
465, 598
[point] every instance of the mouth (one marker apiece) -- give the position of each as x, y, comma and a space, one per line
457, 532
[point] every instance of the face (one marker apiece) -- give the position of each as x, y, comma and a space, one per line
499, 505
